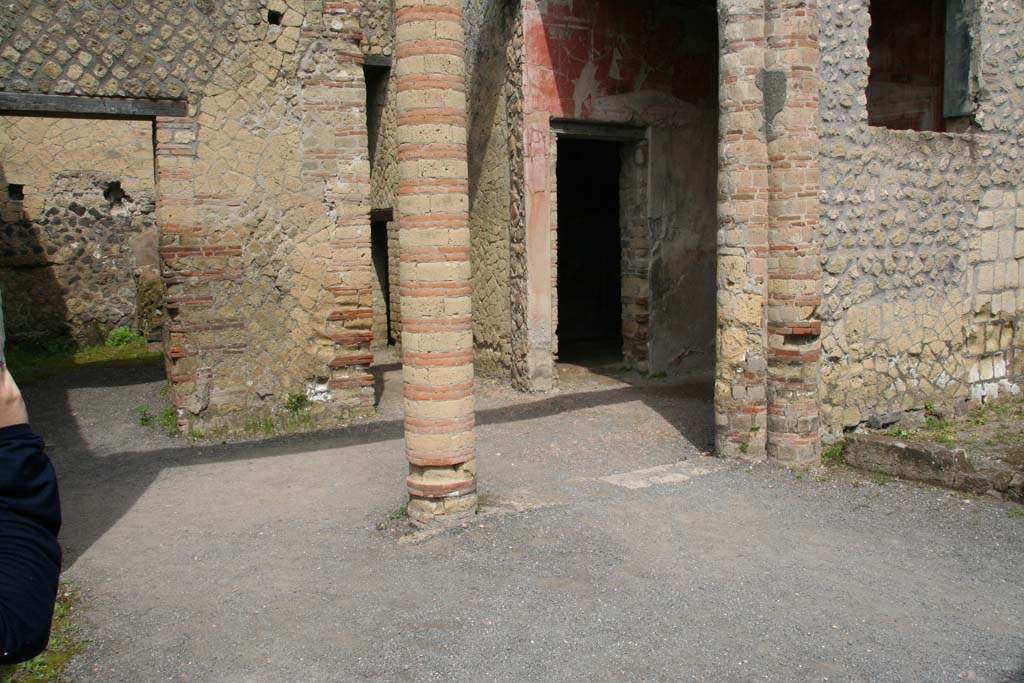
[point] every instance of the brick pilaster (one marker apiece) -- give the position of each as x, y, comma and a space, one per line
434, 247
741, 369
790, 85
193, 267
335, 156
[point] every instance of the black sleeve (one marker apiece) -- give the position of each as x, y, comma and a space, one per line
29, 554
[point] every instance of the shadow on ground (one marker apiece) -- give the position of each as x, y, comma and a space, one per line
105, 461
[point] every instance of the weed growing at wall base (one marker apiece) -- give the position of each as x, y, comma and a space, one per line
833, 455
296, 403
122, 336
146, 417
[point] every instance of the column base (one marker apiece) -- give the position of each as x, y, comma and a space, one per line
441, 512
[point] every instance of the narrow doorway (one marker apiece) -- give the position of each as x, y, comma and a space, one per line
382, 284
589, 286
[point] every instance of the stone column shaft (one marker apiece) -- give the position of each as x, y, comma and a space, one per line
740, 386
434, 250
790, 85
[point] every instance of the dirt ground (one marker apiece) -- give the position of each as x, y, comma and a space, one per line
611, 549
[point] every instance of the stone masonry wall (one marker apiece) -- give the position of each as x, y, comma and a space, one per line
922, 234
377, 20
262, 191
73, 251
488, 35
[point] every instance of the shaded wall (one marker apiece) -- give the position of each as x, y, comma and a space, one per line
81, 243
489, 27
683, 225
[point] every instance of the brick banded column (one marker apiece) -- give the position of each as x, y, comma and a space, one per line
434, 248
790, 85
741, 367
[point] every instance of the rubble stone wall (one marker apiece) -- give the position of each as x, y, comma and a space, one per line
377, 20
922, 233
81, 238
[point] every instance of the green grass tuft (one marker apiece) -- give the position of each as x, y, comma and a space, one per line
122, 336
833, 455
146, 417
296, 403
168, 420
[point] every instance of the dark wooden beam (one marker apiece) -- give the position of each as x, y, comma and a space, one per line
382, 215
597, 131
22, 104
377, 61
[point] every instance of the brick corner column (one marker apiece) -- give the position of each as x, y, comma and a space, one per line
790, 85
434, 249
187, 294
741, 364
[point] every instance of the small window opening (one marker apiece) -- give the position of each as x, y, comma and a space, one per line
798, 339
16, 193
919, 54
274, 17
114, 193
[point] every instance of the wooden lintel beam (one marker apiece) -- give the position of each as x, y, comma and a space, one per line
377, 61
382, 215
587, 130
22, 104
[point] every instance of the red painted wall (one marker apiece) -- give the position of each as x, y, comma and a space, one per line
612, 60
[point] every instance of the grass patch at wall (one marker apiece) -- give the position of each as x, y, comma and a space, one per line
31, 363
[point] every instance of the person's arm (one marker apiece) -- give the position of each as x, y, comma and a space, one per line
29, 521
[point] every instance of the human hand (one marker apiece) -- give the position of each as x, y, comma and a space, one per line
12, 405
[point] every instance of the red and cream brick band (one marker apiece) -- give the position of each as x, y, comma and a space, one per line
192, 265
332, 104
741, 367
434, 248
794, 268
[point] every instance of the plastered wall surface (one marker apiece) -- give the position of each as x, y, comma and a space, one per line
922, 234
72, 259
682, 223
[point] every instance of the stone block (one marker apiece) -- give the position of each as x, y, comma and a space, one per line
930, 463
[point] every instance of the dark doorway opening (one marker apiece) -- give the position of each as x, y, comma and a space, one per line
589, 252
381, 266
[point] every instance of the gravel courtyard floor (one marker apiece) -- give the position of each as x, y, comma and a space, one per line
610, 549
